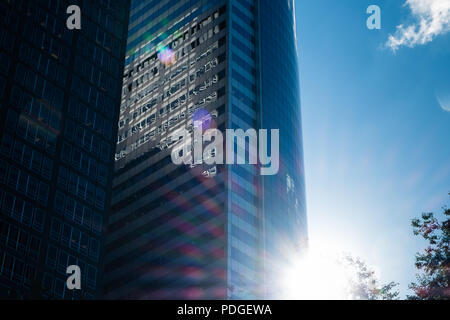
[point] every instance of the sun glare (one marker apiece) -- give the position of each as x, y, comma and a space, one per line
318, 275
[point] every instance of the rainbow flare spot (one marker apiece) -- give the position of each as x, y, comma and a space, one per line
166, 56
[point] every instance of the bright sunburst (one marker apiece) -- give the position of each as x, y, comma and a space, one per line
318, 275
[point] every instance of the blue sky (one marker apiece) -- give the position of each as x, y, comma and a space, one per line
376, 138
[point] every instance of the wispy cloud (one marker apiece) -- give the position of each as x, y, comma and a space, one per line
444, 101
432, 18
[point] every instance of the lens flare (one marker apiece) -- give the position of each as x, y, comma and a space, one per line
206, 119
318, 275
167, 56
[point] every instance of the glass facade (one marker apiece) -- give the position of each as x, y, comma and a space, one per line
166, 233
244, 215
59, 100
284, 205
204, 231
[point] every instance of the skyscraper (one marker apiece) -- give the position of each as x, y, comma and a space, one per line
205, 231
59, 101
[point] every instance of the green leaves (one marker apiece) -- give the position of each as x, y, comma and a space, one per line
433, 282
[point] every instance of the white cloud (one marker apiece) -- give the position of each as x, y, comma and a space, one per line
444, 101
432, 19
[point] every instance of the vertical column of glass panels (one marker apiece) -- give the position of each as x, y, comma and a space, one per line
284, 194
244, 223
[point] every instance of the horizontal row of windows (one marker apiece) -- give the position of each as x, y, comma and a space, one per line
244, 225
243, 258
93, 97
142, 175
200, 232
164, 199
146, 190
83, 163
16, 270
244, 33
22, 211
99, 57
243, 64
24, 183
154, 20
242, 97
165, 126
19, 240
40, 62
250, 251
186, 267
247, 4
173, 90
240, 114
245, 211
245, 172
175, 104
174, 15
91, 119
181, 262
96, 76
74, 211
243, 81
241, 274
244, 236
32, 131
202, 38
138, 8
48, 42
81, 187
104, 19
85, 139
152, 72
243, 16
36, 108
74, 239
102, 38
39, 15
151, 169
26, 156
153, 16
39, 86
238, 44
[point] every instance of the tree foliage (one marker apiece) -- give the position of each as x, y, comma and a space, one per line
365, 285
433, 279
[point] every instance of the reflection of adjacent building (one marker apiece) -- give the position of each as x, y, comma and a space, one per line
198, 231
59, 100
